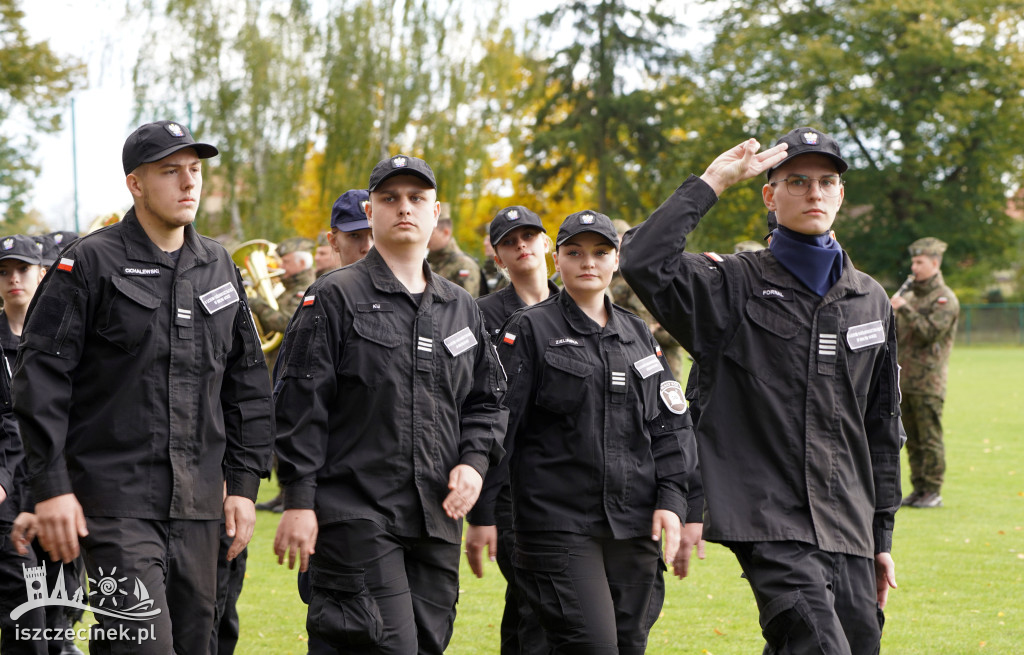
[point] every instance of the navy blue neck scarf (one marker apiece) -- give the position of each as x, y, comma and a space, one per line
815, 259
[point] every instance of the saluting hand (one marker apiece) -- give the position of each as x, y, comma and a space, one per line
61, 523
465, 484
740, 163
296, 535
239, 522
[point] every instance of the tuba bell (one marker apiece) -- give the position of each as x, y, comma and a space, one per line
255, 259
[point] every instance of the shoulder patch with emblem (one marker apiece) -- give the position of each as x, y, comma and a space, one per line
942, 300
308, 301
66, 264
713, 256
672, 396
509, 338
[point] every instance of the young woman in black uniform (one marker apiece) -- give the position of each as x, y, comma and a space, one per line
600, 449
521, 246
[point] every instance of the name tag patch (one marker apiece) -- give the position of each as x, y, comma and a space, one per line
867, 334
673, 397
460, 342
375, 307
648, 366
564, 341
220, 298
140, 271
777, 294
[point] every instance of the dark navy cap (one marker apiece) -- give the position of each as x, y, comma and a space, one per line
805, 140
22, 248
348, 214
587, 221
154, 141
400, 165
510, 218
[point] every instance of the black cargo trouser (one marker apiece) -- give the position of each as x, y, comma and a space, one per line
176, 563
521, 633
374, 592
812, 601
592, 595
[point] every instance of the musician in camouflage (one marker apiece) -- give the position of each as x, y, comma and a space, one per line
448, 260
926, 318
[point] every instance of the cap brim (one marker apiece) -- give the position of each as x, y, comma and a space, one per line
841, 165
403, 171
506, 231
203, 151
352, 226
614, 242
22, 258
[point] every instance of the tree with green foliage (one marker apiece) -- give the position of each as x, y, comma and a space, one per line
925, 98
613, 105
34, 83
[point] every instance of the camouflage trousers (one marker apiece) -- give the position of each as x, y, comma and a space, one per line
922, 419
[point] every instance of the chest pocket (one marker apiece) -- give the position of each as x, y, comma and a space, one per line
563, 383
128, 316
764, 343
369, 349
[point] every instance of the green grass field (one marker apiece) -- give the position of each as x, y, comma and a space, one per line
959, 568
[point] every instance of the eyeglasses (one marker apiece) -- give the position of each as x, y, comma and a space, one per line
799, 185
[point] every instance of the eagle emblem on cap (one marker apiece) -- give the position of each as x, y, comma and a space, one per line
175, 129
58, 238
8, 244
587, 219
512, 214
399, 162
810, 138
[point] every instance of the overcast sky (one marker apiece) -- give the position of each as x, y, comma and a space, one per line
93, 32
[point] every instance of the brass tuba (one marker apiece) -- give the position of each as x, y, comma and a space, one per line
255, 259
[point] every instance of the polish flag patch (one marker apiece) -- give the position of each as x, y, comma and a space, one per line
714, 256
66, 264
308, 301
943, 300
509, 338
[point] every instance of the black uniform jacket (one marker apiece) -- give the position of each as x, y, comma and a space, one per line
593, 447
379, 398
140, 385
11, 452
799, 428
494, 507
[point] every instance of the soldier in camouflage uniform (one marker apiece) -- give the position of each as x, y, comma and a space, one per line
447, 259
624, 297
493, 276
296, 256
926, 317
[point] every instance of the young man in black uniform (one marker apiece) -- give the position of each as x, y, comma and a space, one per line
140, 389
799, 433
388, 408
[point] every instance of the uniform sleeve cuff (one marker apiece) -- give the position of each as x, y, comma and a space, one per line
50, 485
300, 497
673, 501
481, 514
883, 541
479, 462
243, 483
695, 509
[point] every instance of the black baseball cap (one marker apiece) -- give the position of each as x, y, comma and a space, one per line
510, 218
348, 214
400, 165
587, 221
154, 141
804, 140
22, 248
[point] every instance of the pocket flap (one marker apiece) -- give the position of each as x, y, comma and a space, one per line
350, 582
135, 293
779, 324
570, 365
555, 560
375, 330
